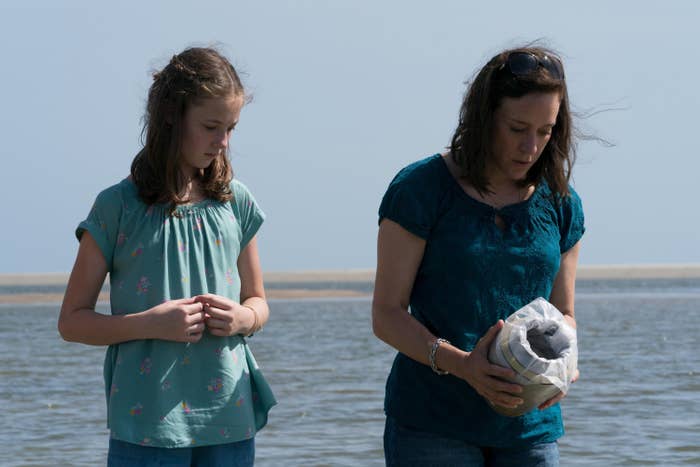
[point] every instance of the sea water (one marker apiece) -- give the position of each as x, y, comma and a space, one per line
637, 401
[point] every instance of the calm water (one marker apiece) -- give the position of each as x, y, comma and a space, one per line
637, 402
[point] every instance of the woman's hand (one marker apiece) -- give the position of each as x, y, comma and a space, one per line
178, 320
550, 402
224, 317
486, 378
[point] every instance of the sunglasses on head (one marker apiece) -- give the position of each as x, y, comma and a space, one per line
524, 63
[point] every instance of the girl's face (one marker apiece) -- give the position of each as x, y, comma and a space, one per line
207, 127
522, 128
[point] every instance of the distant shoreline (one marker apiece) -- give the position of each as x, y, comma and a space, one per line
290, 285
608, 271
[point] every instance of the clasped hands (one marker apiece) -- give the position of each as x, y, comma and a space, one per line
186, 319
491, 381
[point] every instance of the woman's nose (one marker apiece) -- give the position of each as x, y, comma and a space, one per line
529, 144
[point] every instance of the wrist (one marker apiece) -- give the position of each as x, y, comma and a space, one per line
255, 324
143, 324
451, 359
432, 356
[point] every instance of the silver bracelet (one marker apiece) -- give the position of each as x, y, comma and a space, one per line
431, 356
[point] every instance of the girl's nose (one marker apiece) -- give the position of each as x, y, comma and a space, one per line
221, 141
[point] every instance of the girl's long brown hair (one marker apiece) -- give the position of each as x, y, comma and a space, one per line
471, 145
196, 73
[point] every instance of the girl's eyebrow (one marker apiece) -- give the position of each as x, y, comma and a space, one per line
217, 121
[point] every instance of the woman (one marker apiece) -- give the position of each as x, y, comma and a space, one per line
465, 239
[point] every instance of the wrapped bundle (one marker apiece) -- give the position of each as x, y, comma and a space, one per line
540, 346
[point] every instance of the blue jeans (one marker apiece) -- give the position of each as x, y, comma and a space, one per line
406, 446
123, 454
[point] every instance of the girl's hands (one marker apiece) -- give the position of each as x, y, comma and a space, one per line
224, 317
178, 320
488, 379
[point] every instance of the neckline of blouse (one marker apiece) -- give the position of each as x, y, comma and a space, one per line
457, 187
180, 208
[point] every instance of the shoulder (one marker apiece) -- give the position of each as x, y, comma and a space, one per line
242, 196
117, 194
567, 201
415, 197
429, 170
566, 211
239, 188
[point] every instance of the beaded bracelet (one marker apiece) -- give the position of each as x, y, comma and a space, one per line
431, 356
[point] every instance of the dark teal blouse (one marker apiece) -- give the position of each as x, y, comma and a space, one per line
472, 274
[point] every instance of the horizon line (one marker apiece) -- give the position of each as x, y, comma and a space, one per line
584, 271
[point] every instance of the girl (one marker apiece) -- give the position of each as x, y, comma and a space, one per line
177, 238
465, 239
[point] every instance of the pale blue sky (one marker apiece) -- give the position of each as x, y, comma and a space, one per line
346, 93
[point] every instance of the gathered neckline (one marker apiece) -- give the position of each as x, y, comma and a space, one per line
179, 208
456, 186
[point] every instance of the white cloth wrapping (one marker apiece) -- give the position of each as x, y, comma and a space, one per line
541, 347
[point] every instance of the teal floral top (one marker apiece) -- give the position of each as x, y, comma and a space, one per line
171, 394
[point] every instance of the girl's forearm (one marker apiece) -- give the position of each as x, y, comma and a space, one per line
89, 327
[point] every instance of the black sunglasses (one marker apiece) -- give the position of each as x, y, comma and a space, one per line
524, 63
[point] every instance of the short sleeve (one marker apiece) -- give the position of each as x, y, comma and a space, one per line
571, 226
249, 214
103, 222
411, 199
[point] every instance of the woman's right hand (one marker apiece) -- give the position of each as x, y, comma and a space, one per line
178, 320
488, 379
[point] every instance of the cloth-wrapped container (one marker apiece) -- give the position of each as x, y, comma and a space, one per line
541, 347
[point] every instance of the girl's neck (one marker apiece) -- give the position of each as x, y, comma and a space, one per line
192, 191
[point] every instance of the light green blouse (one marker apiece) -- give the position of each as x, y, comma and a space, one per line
171, 394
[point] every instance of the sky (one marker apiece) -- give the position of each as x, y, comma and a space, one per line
345, 93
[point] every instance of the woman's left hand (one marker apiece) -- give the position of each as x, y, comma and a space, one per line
548, 403
223, 316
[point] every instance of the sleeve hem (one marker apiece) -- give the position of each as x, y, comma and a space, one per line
412, 228
99, 237
255, 224
572, 241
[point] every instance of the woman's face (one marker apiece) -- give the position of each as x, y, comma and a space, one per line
522, 128
207, 127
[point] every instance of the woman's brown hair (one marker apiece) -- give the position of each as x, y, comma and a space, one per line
471, 144
196, 73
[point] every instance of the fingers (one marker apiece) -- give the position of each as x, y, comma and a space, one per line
501, 392
216, 312
214, 323
505, 400
505, 386
215, 300
183, 301
548, 403
487, 338
576, 375
196, 328
501, 372
194, 308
